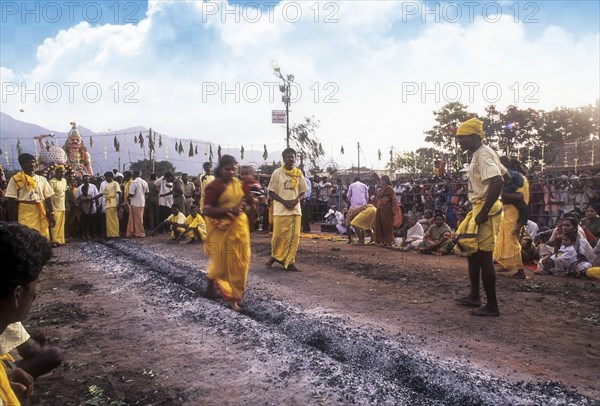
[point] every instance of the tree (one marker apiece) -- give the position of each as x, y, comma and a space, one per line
304, 140
420, 161
448, 118
145, 167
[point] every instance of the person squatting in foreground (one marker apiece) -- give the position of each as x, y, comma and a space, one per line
24, 253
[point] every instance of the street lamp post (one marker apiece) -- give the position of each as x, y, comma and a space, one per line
285, 90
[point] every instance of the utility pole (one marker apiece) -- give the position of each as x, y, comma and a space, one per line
358, 150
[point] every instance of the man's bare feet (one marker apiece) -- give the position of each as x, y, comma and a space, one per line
469, 301
519, 275
211, 291
270, 262
235, 307
485, 311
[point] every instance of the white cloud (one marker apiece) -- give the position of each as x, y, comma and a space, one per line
364, 61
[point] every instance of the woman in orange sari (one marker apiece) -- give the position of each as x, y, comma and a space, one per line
228, 236
384, 219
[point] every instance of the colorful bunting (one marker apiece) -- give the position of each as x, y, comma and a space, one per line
117, 144
265, 153
91, 142
19, 147
342, 150
219, 153
191, 153
210, 154
242, 152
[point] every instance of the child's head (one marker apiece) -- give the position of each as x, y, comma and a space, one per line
248, 173
193, 210
569, 239
175, 209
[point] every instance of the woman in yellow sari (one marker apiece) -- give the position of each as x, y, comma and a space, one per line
507, 251
228, 236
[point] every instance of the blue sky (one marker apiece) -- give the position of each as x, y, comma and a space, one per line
368, 70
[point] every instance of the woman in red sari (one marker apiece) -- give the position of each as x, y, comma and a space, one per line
384, 220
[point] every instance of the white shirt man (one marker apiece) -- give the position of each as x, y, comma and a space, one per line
137, 196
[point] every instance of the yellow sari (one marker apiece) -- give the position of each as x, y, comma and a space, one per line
228, 246
507, 251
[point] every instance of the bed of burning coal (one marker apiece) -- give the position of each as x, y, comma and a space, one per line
353, 363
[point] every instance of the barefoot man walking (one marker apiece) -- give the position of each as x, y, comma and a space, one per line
485, 186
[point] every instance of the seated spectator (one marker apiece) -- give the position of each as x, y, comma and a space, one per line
37, 357
437, 237
334, 221
585, 253
175, 223
427, 219
528, 249
195, 227
561, 262
24, 253
591, 221
414, 235
532, 229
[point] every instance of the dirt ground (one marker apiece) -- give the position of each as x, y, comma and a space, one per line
358, 325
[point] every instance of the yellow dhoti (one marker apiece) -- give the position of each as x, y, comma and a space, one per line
483, 235
228, 246
7, 396
33, 215
112, 222
286, 238
365, 220
58, 231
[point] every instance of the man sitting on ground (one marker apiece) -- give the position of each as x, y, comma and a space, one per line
414, 234
175, 223
335, 221
195, 227
24, 253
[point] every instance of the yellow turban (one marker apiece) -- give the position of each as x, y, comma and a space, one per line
471, 126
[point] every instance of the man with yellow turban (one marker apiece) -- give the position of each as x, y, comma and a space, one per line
485, 187
29, 198
286, 188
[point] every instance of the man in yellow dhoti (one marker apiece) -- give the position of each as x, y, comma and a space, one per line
485, 186
24, 253
111, 195
228, 236
29, 198
60, 187
286, 188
